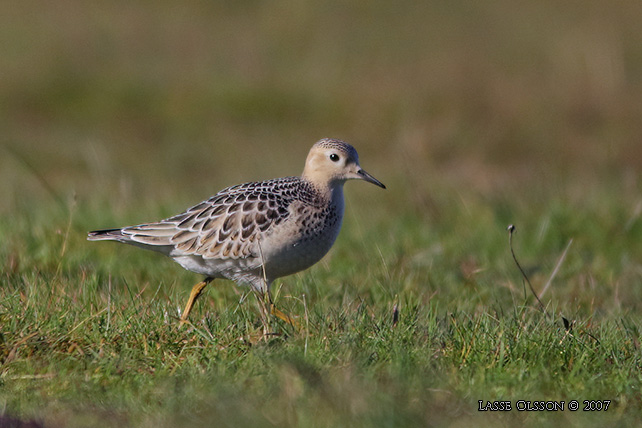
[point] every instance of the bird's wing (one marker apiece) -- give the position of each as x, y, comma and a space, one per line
226, 226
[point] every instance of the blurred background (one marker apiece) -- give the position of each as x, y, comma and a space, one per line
491, 94
489, 110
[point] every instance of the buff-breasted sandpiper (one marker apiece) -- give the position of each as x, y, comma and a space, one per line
256, 232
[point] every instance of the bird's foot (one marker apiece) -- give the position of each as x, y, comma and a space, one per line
285, 317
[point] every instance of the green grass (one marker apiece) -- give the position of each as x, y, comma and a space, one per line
475, 116
90, 336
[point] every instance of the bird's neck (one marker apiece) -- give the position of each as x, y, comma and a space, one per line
336, 193
336, 198
332, 191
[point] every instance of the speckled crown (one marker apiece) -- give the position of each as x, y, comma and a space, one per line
342, 146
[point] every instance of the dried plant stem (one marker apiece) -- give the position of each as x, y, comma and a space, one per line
511, 229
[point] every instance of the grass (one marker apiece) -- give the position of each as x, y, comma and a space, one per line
90, 335
475, 117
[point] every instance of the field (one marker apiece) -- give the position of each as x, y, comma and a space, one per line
476, 115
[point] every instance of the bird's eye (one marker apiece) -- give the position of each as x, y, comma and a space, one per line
334, 157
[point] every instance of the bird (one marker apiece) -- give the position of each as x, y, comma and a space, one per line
256, 232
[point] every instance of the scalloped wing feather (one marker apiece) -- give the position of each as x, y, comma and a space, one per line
226, 226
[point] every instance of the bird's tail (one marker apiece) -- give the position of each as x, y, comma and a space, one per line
105, 235
155, 237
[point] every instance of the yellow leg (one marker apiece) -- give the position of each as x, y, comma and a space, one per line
285, 317
196, 292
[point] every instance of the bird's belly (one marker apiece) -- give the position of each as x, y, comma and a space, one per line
216, 268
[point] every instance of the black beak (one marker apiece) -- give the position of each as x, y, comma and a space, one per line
370, 179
